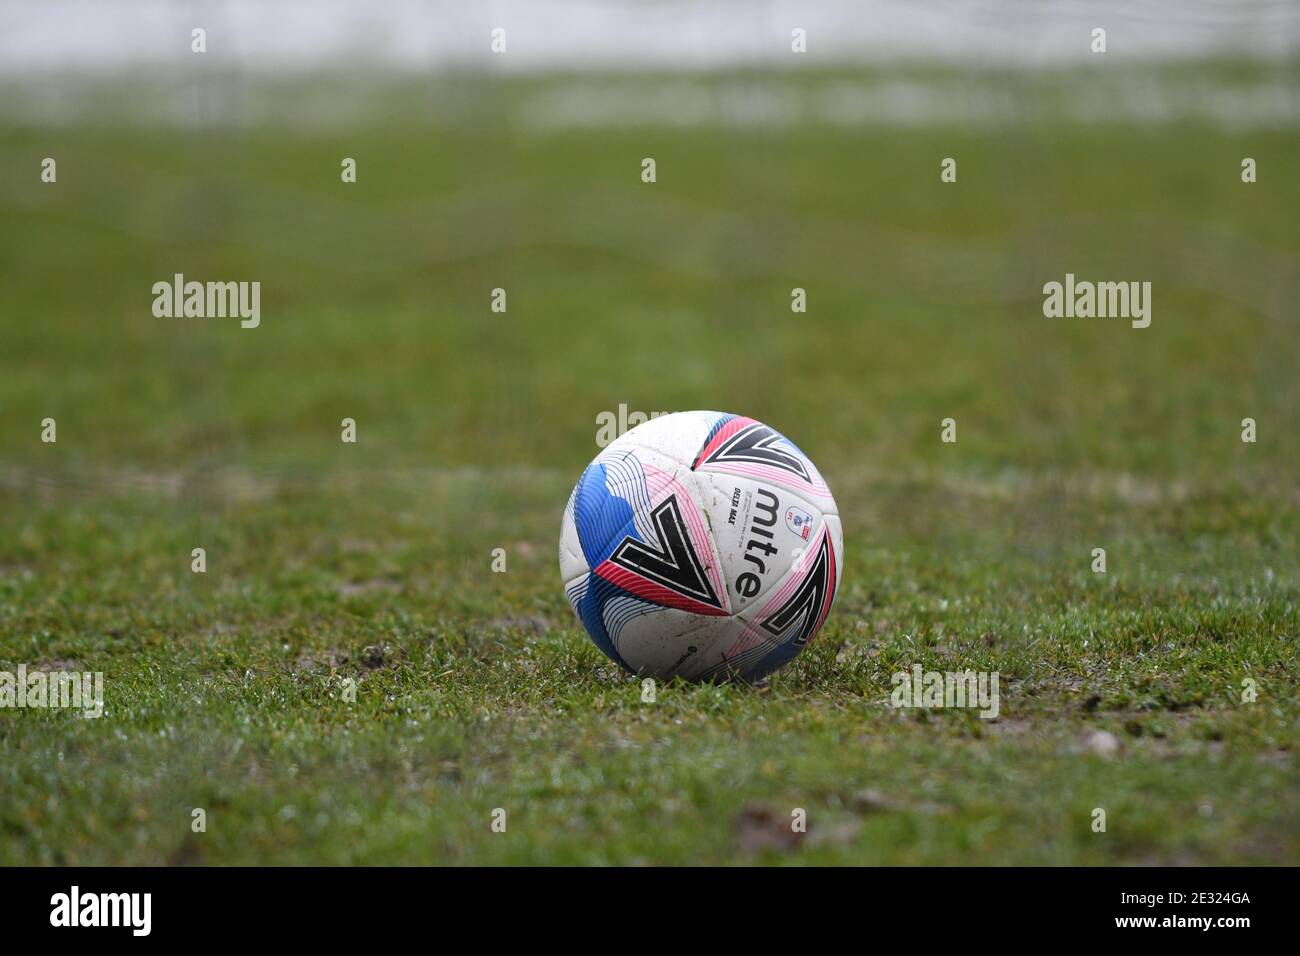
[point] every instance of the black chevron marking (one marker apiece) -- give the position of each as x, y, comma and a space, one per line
759, 444
670, 561
805, 605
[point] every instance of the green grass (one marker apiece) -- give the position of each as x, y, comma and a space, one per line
478, 690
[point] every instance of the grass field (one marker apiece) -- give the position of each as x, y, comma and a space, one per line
478, 690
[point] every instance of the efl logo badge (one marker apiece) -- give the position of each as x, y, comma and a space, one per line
798, 521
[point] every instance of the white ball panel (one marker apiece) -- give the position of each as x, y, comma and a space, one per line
679, 435
670, 643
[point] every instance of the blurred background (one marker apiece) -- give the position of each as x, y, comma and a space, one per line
521, 170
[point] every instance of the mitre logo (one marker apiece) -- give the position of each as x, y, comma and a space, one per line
760, 541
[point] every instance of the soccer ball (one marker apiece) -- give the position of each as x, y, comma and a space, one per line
701, 545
